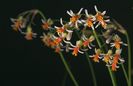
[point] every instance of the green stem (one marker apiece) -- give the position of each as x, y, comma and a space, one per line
123, 31
129, 60
68, 70
92, 70
125, 73
110, 72
64, 79
90, 65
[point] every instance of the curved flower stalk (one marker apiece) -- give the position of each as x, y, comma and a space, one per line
60, 38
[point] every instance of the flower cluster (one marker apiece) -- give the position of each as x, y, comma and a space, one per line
81, 26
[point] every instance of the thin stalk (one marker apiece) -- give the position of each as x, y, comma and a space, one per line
68, 70
129, 60
41, 14
123, 31
110, 72
125, 73
64, 79
123, 68
92, 70
90, 65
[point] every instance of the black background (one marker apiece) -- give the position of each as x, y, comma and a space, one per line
29, 63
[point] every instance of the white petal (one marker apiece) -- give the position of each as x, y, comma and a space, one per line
97, 25
80, 11
69, 13
86, 12
108, 65
91, 56
54, 36
42, 20
79, 21
69, 36
69, 23
13, 20
61, 21
96, 8
92, 27
68, 42
80, 52
121, 59
85, 37
89, 47
104, 12
56, 27
83, 21
69, 30
70, 48
72, 12
117, 66
76, 25
108, 20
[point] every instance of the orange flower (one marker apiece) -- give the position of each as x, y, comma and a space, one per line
57, 49
74, 20
29, 34
107, 56
116, 58
115, 61
18, 23
47, 39
100, 18
75, 51
87, 41
117, 42
89, 21
59, 30
47, 24
96, 57
58, 40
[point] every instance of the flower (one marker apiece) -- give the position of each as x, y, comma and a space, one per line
47, 39
89, 21
57, 40
117, 42
76, 48
58, 49
74, 20
116, 58
18, 23
87, 41
107, 56
100, 18
29, 34
61, 29
47, 24
96, 57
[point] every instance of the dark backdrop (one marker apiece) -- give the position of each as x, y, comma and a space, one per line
29, 63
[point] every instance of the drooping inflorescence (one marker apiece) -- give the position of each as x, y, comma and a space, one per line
76, 35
